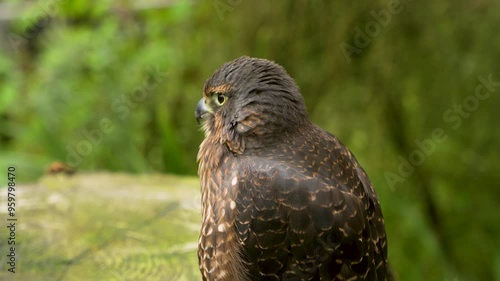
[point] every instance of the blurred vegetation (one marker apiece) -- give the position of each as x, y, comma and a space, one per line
112, 85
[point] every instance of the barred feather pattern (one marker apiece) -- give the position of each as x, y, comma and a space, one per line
219, 250
282, 199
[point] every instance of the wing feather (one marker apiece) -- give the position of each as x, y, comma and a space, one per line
305, 224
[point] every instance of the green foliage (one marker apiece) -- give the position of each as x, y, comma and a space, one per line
91, 62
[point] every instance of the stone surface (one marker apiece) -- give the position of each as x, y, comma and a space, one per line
104, 227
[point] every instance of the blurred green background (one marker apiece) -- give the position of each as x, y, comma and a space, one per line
411, 87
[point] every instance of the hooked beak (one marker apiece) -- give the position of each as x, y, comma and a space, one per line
201, 111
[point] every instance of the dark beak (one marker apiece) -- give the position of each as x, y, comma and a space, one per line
201, 111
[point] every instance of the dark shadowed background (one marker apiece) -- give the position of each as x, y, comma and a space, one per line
411, 87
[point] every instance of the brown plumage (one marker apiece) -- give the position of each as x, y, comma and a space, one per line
282, 199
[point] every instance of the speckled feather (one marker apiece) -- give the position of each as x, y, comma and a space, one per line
282, 199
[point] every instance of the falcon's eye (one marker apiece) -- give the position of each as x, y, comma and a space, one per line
220, 99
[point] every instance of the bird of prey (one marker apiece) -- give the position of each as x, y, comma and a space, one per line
282, 199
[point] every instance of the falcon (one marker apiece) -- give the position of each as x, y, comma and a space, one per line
282, 199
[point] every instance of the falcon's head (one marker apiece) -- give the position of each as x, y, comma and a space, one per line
249, 102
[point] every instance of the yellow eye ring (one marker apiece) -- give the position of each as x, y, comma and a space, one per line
220, 99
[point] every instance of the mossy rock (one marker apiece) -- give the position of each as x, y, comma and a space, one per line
104, 227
